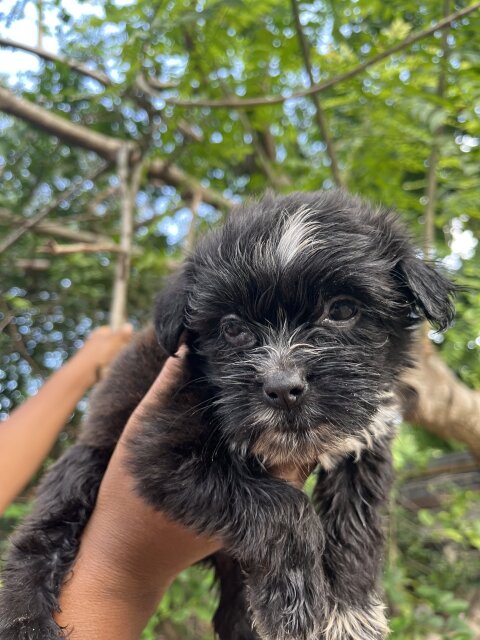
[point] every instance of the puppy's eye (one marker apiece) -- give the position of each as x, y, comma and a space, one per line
342, 310
236, 332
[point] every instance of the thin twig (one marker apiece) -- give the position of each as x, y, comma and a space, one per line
186, 184
322, 86
159, 85
261, 157
188, 132
48, 228
7, 318
446, 469
17, 338
71, 133
434, 157
32, 264
156, 217
40, 24
56, 249
319, 113
101, 196
52, 57
45, 211
151, 86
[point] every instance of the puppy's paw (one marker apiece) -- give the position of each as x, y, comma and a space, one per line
345, 622
287, 606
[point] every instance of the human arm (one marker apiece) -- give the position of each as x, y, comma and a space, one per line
28, 434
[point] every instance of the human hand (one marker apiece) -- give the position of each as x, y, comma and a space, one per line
103, 344
130, 553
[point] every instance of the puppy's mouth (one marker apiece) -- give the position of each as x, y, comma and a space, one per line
286, 445
302, 439
296, 418
290, 437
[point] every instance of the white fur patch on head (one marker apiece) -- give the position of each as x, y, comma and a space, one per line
349, 623
298, 236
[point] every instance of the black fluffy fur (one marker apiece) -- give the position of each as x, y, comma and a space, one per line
275, 266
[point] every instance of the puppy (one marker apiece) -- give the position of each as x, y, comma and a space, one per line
299, 315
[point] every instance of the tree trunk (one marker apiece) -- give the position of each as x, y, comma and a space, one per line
434, 398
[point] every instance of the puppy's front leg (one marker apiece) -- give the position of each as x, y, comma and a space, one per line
231, 620
268, 525
286, 586
349, 498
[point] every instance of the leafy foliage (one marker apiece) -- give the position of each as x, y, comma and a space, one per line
432, 569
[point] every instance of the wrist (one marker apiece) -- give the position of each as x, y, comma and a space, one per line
87, 366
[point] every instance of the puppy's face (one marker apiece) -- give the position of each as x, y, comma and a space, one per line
300, 311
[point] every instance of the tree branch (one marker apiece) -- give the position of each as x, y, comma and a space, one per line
81, 247
101, 197
438, 401
52, 229
261, 157
319, 113
17, 338
105, 146
45, 211
322, 86
7, 318
52, 57
40, 23
434, 157
275, 180
32, 264
186, 185
151, 86
158, 85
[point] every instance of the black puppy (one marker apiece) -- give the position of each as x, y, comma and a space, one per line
298, 316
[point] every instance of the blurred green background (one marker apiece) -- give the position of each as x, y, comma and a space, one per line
401, 128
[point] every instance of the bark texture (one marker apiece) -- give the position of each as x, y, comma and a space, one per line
68, 132
438, 401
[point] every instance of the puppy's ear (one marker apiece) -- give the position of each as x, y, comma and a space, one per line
429, 292
169, 311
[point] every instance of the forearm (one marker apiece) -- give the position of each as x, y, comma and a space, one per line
118, 580
100, 604
28, 435
114, 600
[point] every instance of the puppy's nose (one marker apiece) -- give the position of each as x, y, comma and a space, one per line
284, 389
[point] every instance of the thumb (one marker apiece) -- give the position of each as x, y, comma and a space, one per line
126, 330
170, 377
